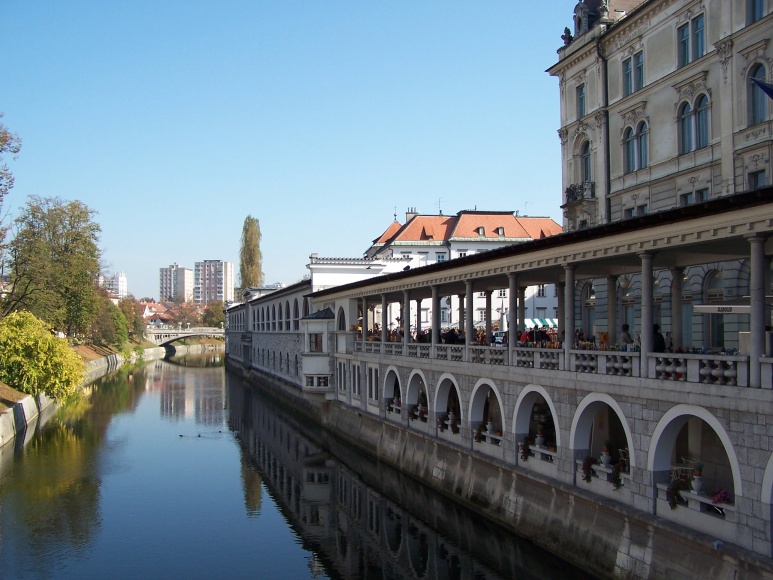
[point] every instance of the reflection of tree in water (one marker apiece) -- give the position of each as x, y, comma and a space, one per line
197, 360
54, 494
252, 485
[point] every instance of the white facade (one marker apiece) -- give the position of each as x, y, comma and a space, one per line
176, 283
116, 284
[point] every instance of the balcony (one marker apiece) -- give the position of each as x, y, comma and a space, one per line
580, 205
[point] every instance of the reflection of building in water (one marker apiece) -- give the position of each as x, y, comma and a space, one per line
357, 531
187, 393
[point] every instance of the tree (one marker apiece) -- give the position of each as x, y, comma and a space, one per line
109, 327
250, 258
185, 313
34, 361
54, 261
132, 311
9, 143
214, 314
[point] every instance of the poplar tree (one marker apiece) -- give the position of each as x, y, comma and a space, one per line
250, 258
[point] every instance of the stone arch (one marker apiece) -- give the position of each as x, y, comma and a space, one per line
523, 410
296, 316
341, 322
664, 440
448, 388
391, 387
287, 315
486, 405
583, 424
417, 383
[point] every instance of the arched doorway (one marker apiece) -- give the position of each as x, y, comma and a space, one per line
448, 406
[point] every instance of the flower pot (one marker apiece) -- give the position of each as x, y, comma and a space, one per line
539, 440
490, 427
697, 483
606, 458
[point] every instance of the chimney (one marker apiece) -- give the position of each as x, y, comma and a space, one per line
410, 214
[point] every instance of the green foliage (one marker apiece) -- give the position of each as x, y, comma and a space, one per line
109, 328
214, 314
250, 257
9, 143
54, 261
34, 361
132, 312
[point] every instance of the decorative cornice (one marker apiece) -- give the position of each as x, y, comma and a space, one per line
633, 114
563, 134
725, 52
755, 53
690, 12
689, 87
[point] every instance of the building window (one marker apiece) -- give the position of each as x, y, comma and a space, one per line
462, 253
633, 73
628, 212
541, 290
698, 36
502, 292
641, 209
698, 196
482, 315
315, 342
702, 122
691, 41
441, 257
685, 128
581, 101
627, 77
629, 144
754, 9
683, 42
643, 138
757, 97
585, 162
757, 179
638, 71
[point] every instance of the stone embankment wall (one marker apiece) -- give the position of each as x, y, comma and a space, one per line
33, 411
603, 537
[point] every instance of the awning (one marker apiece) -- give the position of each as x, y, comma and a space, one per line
541, 322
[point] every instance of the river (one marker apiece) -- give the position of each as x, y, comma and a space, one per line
175, 470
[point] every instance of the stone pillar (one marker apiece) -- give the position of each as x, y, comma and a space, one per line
405, 318
489, 295
384, 321
757, 310
568, 313
677, 275
647, 333
611, 310
512, 305
364, 326
469, 330
521, 309
435, 314
461, 312
418, 317
560, 288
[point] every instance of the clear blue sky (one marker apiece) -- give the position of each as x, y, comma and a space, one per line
175, 119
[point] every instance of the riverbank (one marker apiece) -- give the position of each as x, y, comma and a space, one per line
21, 413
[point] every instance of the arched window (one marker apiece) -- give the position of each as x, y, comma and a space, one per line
585, 162
702, 122
629, 147
757, 98
685, 128
643, 144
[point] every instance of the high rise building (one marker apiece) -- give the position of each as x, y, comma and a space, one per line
213, 280
116, 284
176, 283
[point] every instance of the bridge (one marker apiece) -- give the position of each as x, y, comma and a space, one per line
164, 336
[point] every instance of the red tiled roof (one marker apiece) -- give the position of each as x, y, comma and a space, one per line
393, 228
426, 228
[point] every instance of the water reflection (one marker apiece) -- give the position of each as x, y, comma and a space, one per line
364, 519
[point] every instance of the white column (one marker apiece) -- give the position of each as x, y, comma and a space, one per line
611, 310
757, 310
560, 287
364, 321
647, 334
384, 320
405, 320
521, 309
435, 338
418, 317
677, 275
568, 312
489, 294
469, 330
512, 305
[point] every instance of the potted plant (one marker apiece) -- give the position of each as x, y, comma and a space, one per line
606, 458
697, 479
719, 496
673, 492
540, 439
525, 449
587, 468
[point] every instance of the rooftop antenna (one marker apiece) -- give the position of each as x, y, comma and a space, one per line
395, 214
439, 207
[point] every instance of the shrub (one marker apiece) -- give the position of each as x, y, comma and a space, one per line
34, 361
